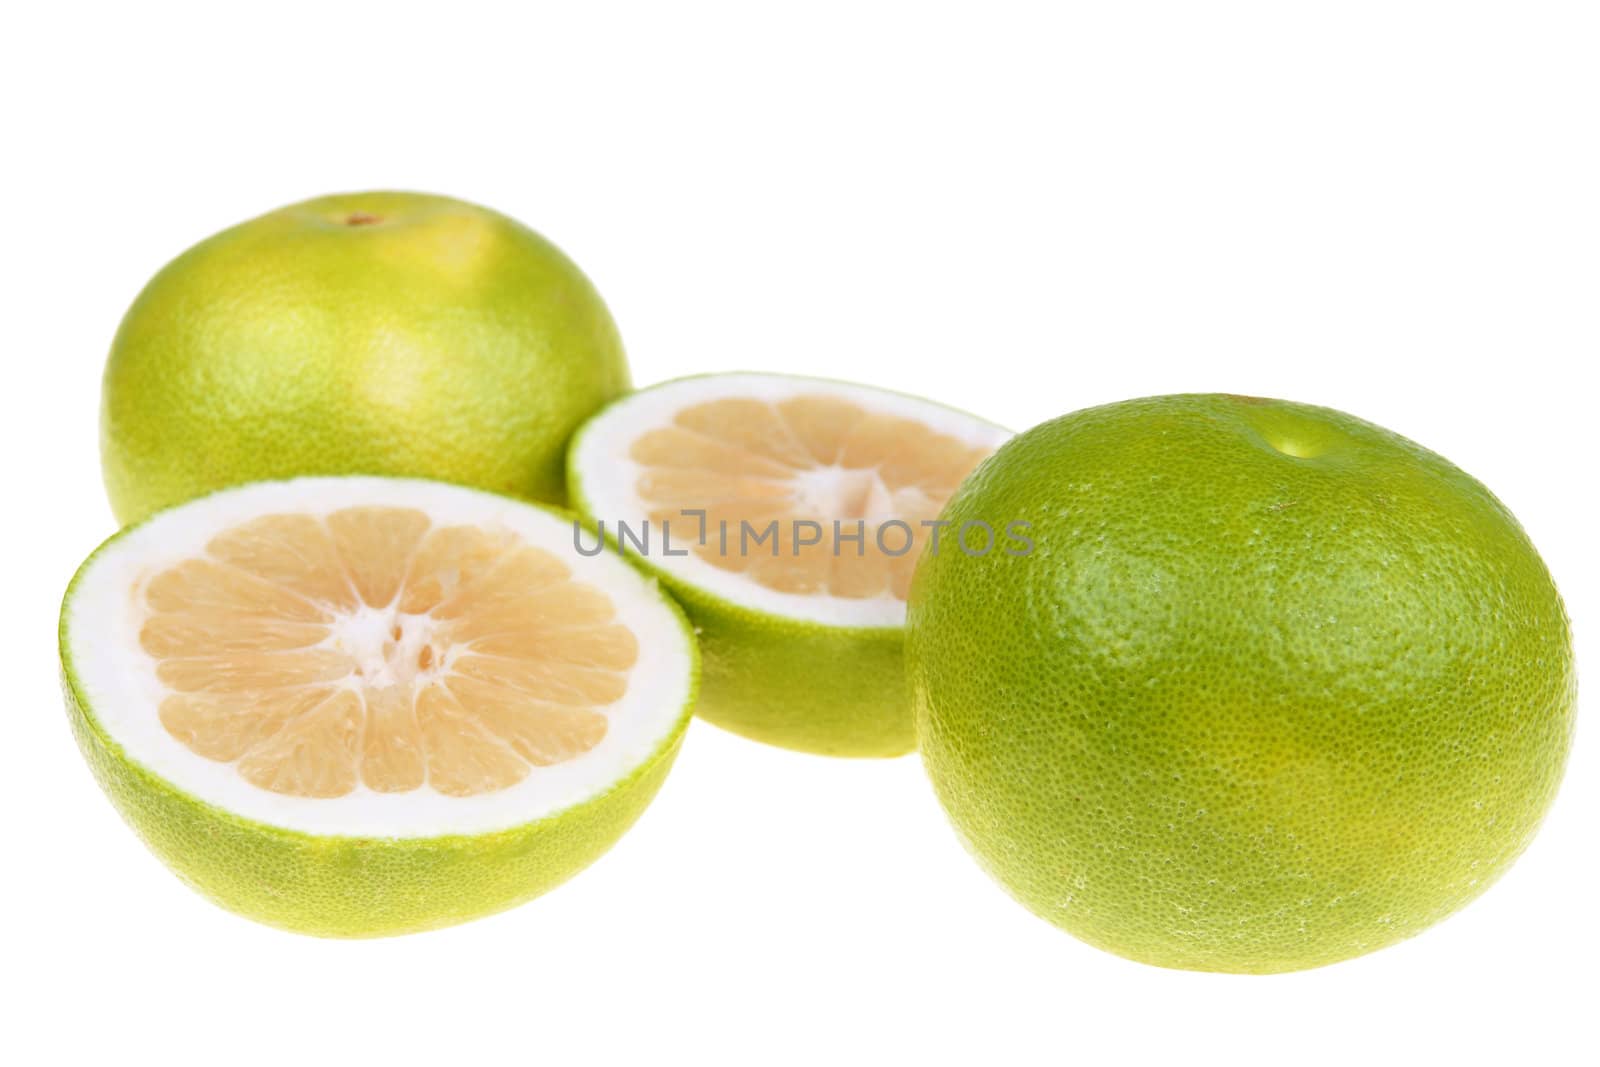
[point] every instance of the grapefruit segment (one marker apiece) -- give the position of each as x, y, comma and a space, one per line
294, 552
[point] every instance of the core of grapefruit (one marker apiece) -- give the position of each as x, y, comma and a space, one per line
1275, 687
368, 333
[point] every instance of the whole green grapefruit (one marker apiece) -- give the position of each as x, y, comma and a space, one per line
374, 333
1274, 687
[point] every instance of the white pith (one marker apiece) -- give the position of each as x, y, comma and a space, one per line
117, 678
383, 660
606, 477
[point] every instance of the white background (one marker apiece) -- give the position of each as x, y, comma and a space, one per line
1391, 208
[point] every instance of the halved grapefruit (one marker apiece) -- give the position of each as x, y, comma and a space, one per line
359, 706
786, 514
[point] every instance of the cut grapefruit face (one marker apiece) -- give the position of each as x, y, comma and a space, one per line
787, 515
375, 657
719, 461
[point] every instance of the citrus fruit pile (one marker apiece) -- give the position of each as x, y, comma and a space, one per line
1211, 682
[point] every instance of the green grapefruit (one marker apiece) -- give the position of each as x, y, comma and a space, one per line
1275, 687
369, 333
793, 510
361, 706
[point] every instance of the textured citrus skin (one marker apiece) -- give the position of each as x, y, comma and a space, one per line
828, 690
342, 886
1275, 688
368, 333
